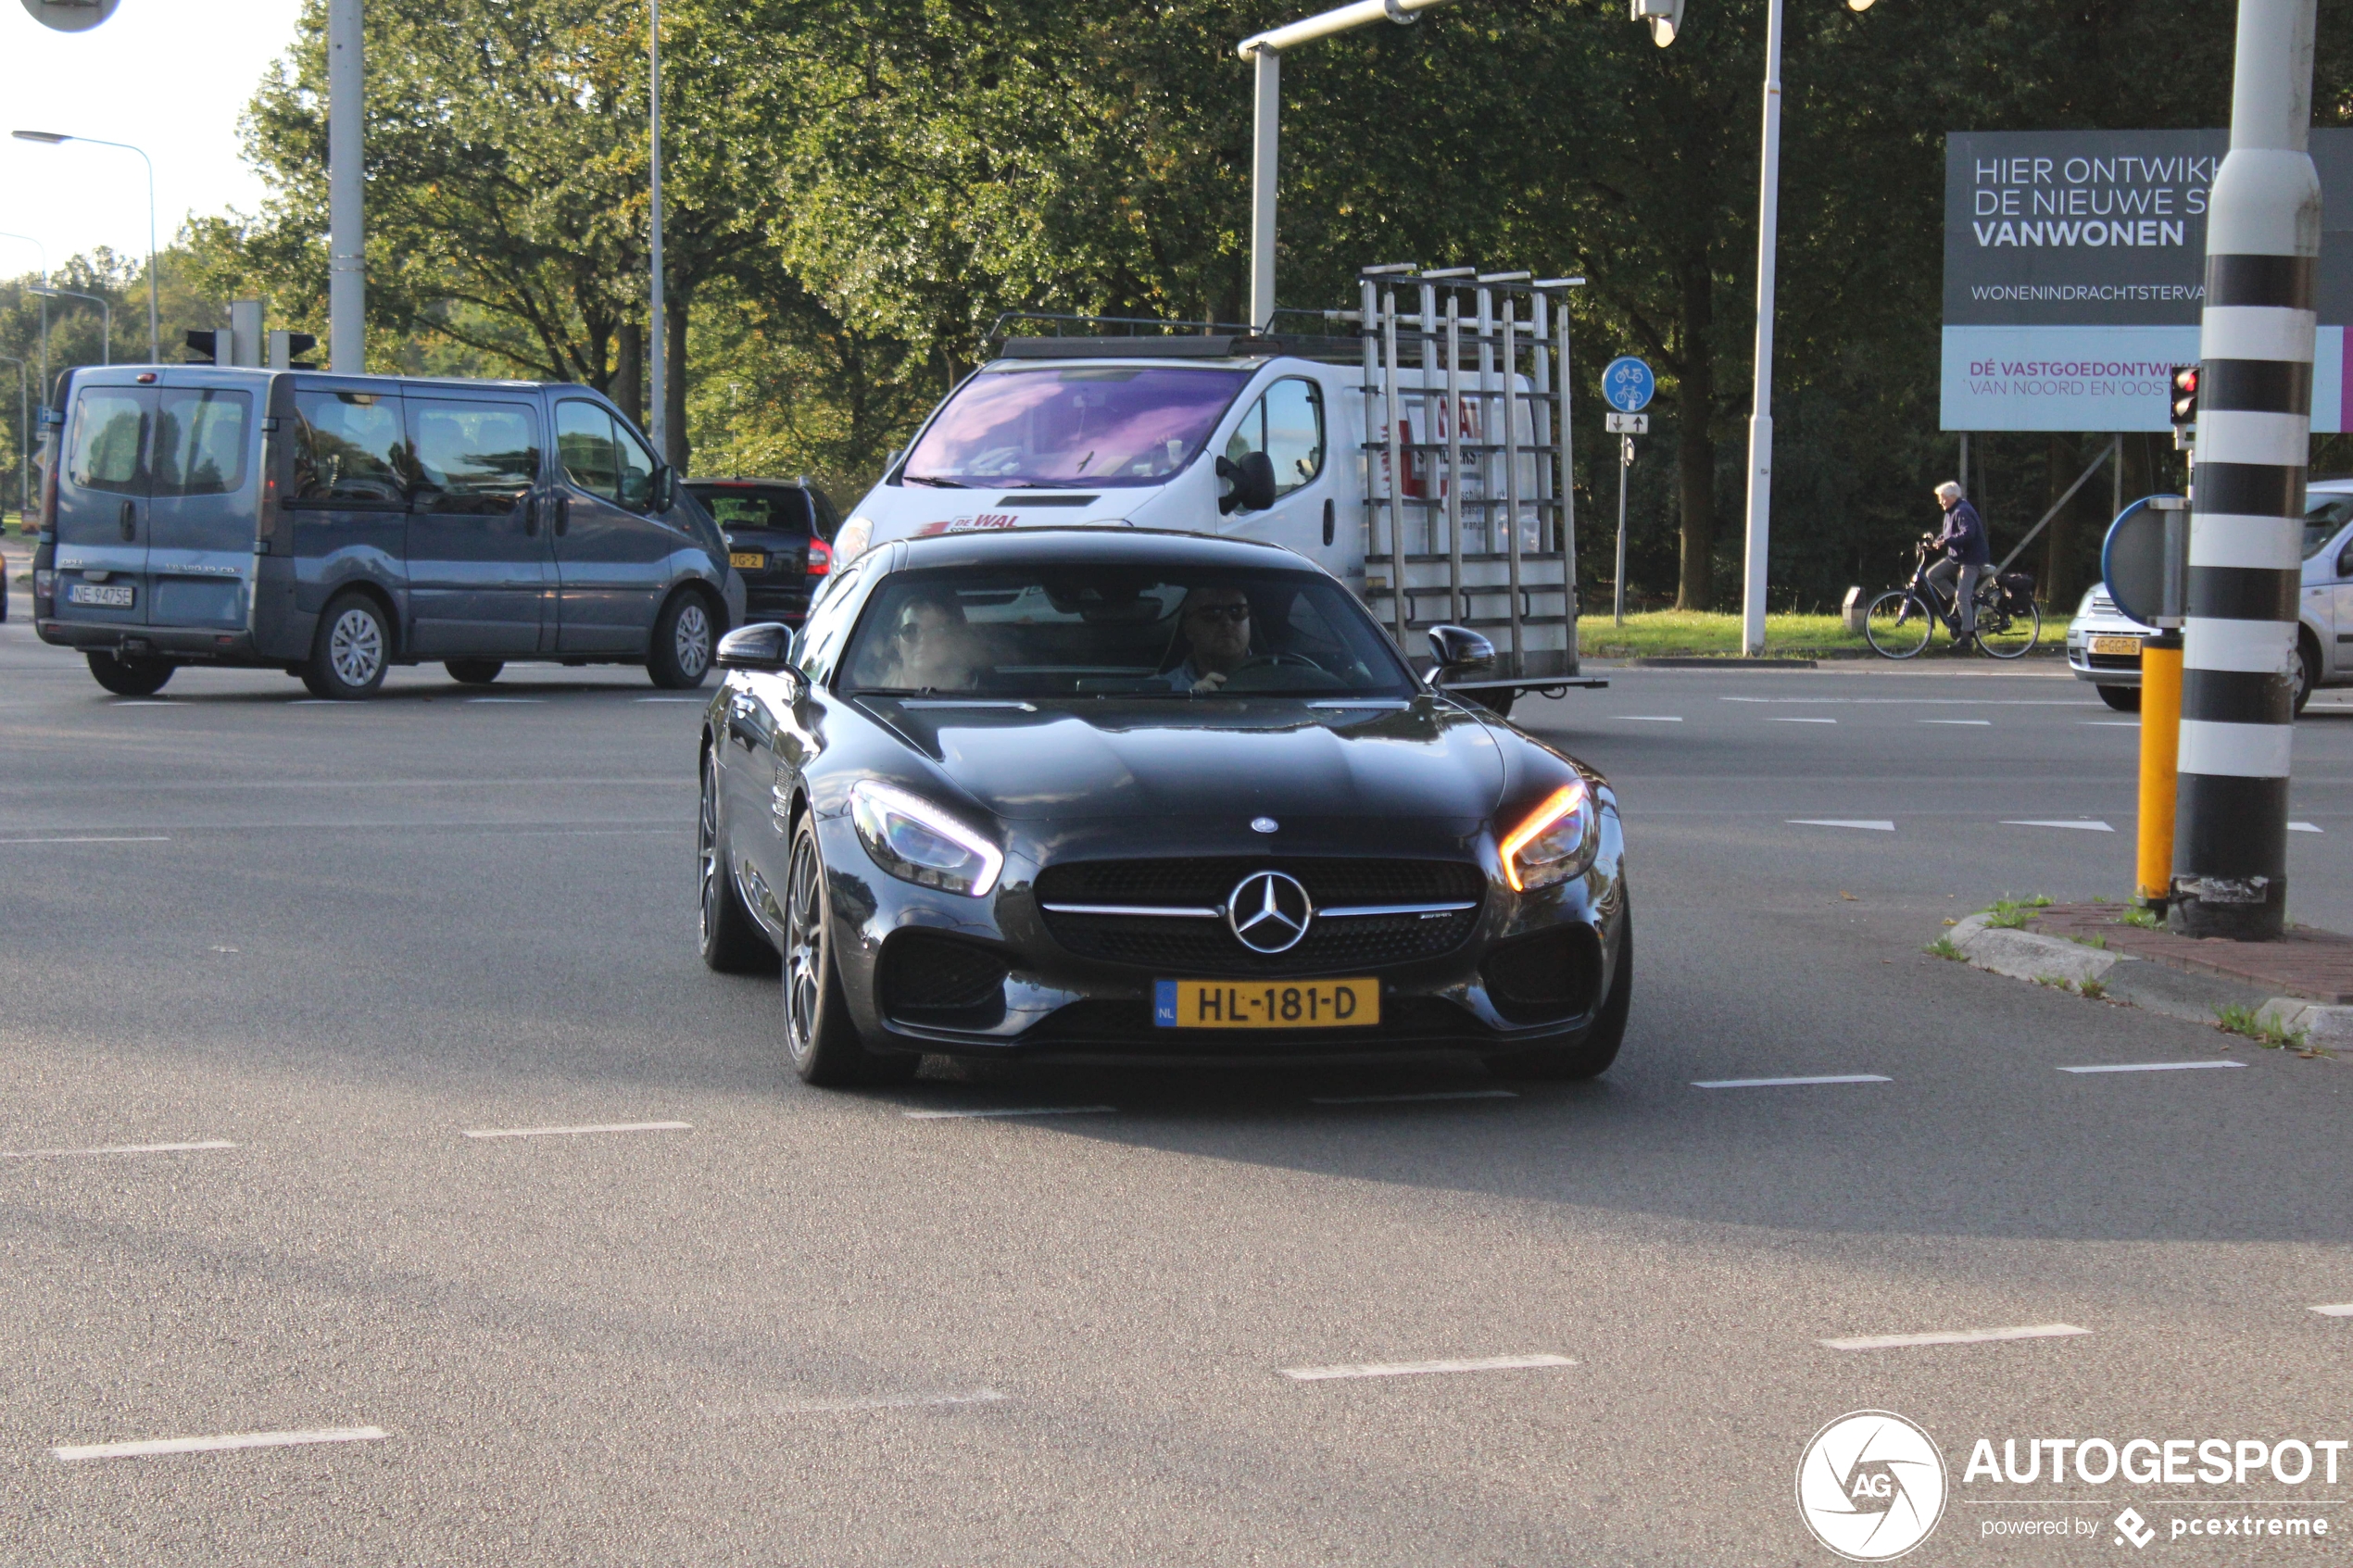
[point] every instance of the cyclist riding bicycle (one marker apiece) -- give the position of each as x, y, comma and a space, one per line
1967, 557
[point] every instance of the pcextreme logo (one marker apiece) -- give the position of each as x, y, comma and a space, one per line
1870, 1485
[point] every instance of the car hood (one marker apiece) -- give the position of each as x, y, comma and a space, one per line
1278, 757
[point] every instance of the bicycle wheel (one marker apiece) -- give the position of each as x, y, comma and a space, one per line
1898, 624
2013, 637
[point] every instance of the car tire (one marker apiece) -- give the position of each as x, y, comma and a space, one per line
350, 651
1591, 1056
684, 633
732, 941
821, 1043
2307, 671
127, 675
2124, 699
473, 672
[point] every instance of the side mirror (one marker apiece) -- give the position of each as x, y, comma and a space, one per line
1253, 483
1458, 650
662, 490
766, 645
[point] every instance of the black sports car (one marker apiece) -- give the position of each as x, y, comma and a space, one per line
1095, 794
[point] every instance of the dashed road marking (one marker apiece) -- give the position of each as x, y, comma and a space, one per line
2302, 827
1780, 719
1876, 825
1957, 1336
1650, 717
143, 838
2336, 1310
151, 1447
566, 1131
1419, 1369
2086, 824
1015, 1110
1790, 1082
2153, 1067
1399, 1100
1980, 723
115, 1148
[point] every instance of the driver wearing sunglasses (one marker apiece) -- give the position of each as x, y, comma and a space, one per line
1214, 624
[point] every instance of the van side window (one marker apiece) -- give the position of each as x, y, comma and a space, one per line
1287, 423
200, 441
583, 444
349, 449
637, 468
475, 457
107, 434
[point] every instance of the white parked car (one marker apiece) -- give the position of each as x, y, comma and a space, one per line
2104, 644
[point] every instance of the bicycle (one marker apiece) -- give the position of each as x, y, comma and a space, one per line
1902, 621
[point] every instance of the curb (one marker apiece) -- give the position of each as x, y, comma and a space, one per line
2121, 977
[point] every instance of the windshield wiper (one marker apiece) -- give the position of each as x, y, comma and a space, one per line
935, 484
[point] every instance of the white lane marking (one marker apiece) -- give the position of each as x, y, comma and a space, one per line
146, 838
2336, 1310
1650, 717
2302, 827
114, 1149
160, 702
1920, 701
1876, 825
505, 699
1018, 1111
2153, 1067
71, 1452
1980, 723
566, 1132
1399, 1100
2086, 823
1960, 1336
1778, 719
891, 1403
1789, 1083
1417, 1369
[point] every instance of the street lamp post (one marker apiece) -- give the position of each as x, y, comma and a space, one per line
347, 227
155, 333
24, 444
105, 339
657, 330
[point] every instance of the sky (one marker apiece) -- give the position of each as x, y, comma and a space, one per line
168, 76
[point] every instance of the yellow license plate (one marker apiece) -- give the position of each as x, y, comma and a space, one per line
746, 560
1244, 1004
2116, 644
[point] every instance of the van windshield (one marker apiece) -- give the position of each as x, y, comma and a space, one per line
1113, 425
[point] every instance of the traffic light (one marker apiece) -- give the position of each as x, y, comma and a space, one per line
203, 341
287, 348
1665, 17
2184, 397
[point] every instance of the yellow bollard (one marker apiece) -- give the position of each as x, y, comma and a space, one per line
2161, 748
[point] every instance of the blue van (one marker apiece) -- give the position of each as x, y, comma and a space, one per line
333, 526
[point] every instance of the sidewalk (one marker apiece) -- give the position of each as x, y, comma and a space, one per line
2315, 965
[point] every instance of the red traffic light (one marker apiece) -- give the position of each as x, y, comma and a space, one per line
2185, 396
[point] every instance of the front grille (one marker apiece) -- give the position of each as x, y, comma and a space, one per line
1405, 1019
1173, 946
1552, 975
2113, 660
942, 982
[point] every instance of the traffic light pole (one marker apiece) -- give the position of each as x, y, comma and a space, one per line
2255, 416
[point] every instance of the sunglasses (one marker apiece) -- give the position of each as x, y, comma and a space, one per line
1235, 614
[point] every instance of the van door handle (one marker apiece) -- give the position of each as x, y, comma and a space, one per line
563, 513
129, 520
530, 505
1327, 521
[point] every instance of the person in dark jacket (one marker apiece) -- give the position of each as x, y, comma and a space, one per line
1967, 559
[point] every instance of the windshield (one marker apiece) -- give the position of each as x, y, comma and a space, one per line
1147, 631
2323, 515
1110, 425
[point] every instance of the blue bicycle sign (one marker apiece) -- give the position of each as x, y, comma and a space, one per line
1626, 384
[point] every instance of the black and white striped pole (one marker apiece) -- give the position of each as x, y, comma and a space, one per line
2254, 418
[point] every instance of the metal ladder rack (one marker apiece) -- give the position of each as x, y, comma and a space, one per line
1468, 498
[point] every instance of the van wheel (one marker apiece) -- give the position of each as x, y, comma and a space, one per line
128, 676
350, 652
2124, 699
473, 672
683, 633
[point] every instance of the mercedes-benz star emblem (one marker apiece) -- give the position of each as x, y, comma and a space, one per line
1269, 911
1264, 825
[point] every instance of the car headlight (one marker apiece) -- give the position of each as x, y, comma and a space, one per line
917, 842
850, 543
1555, 842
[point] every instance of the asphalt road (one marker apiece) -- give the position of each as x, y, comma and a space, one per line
808, 1327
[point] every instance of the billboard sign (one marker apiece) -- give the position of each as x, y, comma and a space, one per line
2074, 274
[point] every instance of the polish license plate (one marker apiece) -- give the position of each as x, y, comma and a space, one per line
2130, 646
1295, 1004
748, 560
112, 596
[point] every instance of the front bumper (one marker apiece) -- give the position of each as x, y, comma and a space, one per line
1052, 1003
2105, 669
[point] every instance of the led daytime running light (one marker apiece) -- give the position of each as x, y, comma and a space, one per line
883, 801
1569, 798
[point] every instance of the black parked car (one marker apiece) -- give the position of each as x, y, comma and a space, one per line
779, 537
1088, 794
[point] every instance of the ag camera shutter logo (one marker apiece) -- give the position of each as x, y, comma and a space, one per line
1871, 1485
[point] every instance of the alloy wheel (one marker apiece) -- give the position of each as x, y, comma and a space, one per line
356, 648
691, 641
707, 853
804, 947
